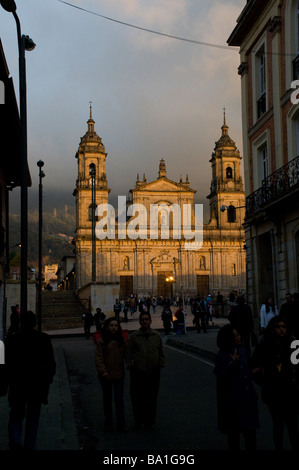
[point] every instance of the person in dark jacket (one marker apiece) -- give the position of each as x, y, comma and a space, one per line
273, 370
99, 318
88, 322
241, 319
31, 367
166, 317
236, 396
146, 355
14, 320
180, 320
117, 309
111, 353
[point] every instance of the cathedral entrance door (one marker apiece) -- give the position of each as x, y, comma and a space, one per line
125, 286
164, 287
203, 285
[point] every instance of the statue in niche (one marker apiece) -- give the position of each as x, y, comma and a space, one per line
126, 263
202, 262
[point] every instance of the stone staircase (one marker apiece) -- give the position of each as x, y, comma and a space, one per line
61, 310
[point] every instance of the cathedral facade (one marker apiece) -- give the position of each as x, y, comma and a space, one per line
162, 264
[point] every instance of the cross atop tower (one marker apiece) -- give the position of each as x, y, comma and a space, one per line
224, 127
90, 121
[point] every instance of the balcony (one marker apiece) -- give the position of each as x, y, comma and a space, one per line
277, 185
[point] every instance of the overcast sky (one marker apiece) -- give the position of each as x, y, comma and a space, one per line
153, 97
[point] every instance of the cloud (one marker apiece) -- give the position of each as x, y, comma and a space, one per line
152, 97
157, 15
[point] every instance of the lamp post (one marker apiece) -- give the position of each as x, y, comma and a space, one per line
92, 172
183, 296
183, 300
171, 280
226, 208
25, 43
40, 164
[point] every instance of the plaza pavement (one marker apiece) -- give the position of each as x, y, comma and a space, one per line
57, 429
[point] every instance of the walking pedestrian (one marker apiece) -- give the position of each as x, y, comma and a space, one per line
209, 309
268, 310
132, 305
117, 308
14, 320
141, 306
180, 320
220, 304
148, 303
99, 318
31, 367
236, 397
241, 319
125, 310
278, 377
88, 322
166, 317
111, 353
147, 357
200, 314
287, 312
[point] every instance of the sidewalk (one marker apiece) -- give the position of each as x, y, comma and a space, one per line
57, 430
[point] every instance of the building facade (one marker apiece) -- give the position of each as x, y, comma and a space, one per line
267, 34
10, 178
142, 265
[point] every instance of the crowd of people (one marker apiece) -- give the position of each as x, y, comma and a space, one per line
173, 314
174, 311
245, 360
243, 363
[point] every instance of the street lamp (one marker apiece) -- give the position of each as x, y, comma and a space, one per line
25, 43
40, 164
14, 246
92, 172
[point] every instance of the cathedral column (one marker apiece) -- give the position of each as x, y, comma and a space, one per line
136, 270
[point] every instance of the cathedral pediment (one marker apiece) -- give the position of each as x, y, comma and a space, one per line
164, 185
164, 257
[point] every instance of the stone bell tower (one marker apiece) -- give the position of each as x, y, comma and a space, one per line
227, 197
91, 154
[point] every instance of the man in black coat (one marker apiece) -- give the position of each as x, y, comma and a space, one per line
241, 319
31, 367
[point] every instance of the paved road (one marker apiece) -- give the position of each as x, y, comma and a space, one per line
186, 413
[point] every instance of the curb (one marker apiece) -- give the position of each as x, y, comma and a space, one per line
194, 349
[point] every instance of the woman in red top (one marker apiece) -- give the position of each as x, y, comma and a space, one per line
111, 352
